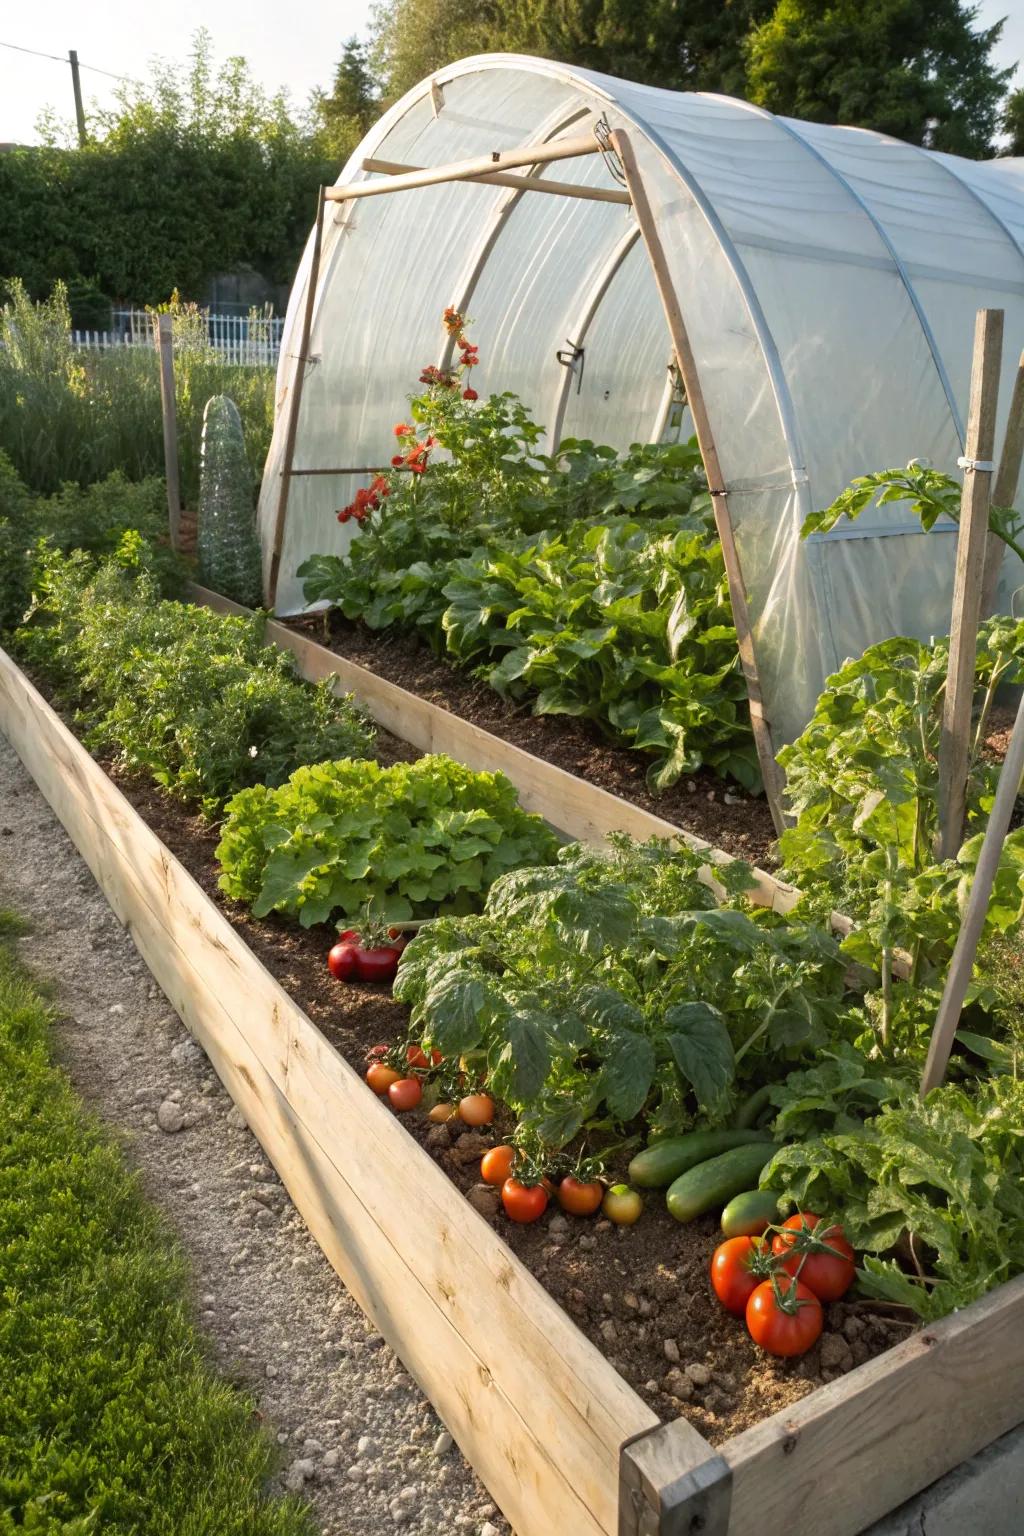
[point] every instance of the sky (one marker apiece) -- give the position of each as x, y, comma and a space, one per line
294, 45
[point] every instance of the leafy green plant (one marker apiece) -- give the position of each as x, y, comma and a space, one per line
407, 839
945, 1178
191, 697
610, 986
110, 1415
227, 548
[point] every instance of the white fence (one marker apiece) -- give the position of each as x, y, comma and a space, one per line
250, 340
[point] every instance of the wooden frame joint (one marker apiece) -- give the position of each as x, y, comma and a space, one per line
671, 1483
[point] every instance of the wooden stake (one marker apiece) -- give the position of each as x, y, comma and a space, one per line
165, 345
510, 179
961, 966
465, 170
954, 742
1004, 491
770, 770
294, 402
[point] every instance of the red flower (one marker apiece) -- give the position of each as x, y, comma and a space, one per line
402, 429
453, 320
470, 394
344, 514
418, 468
466, 345
397, 460
469, 360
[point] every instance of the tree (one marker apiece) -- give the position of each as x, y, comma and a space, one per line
916, 69
343, 117
1013, 122
696, 45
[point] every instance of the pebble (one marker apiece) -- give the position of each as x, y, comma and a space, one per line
631, 1301
836, 1354
312, 1448
487, 1529
356, 1472
367, 1447
484, 1198
117, 1008
587, 1243
443, 1444
677, 1384
186, 1053
671, 1349
170, 1117
236, 1119
609, 1332
558, 1223
332, 1458
699, 1374
732, 799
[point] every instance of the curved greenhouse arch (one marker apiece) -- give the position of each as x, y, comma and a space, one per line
827, 278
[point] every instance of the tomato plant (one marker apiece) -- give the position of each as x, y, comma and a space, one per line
784, 1316
738, 1266
820, 1256
476, 1109
380, 1077
622, 1205
496, 1165
405, 1093
523, 1202
580, 1197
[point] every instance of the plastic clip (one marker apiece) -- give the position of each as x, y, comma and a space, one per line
965, 463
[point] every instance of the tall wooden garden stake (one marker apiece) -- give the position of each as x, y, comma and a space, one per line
770, 770
1004, 490
961, 966
165, 343
294, 403
954, 742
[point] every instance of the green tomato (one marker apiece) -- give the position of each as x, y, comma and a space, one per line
622, 1205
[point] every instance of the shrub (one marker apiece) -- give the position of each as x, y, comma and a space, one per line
412, 838
228, 550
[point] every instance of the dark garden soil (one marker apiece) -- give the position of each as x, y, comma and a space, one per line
640, 1293
723, 814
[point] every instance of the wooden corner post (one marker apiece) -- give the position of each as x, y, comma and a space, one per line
770, 770
294, 402
169, 410
977, 465
673, 1483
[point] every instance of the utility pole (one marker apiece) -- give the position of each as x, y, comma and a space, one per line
76, 82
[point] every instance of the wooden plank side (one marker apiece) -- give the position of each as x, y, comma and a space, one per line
857, 1448
542, 1421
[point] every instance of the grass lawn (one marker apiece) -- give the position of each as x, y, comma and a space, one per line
111, 1419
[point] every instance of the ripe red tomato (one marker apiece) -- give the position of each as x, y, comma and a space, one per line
523, 1202
343, 961
732, 1279
380, 1077
828, 1274
496, 1165
579, 1197
786, 1321
377, 964
477, 1109
416, 1056
405, 1093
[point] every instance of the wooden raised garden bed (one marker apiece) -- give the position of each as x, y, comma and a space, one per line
562, 1442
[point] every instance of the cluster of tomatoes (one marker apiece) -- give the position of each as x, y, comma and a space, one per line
526, 1189
778, 1279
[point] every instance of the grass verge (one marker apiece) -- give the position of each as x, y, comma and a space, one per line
111, 1419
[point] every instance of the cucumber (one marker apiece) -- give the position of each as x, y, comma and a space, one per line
750, 1214
663, 1161
751, 1108
715, 1182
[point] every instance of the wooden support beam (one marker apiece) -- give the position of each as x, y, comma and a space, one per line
169, 411
466, 170
770, 770
671, 1483
509, 179
1004, 490
294, 402
954, 742
961, 967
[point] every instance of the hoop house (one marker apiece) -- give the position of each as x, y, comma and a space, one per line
827, 280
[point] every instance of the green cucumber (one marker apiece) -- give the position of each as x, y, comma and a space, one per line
750, 1214
715, 1182
749, 1110
663, 1161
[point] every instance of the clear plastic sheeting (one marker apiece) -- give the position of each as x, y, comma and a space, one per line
828, 278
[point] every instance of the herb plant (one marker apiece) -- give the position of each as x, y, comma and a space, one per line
409, 839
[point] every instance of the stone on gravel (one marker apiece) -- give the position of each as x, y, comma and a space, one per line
677, 1384
558, 1223
485, 1199
487, 1529
443, 1444
236, 1119
671, 1349
170, 1117
187, 1053
699, 1374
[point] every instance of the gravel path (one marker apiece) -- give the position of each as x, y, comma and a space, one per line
358, 1438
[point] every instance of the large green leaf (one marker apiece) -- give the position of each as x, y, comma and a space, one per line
697, 1036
